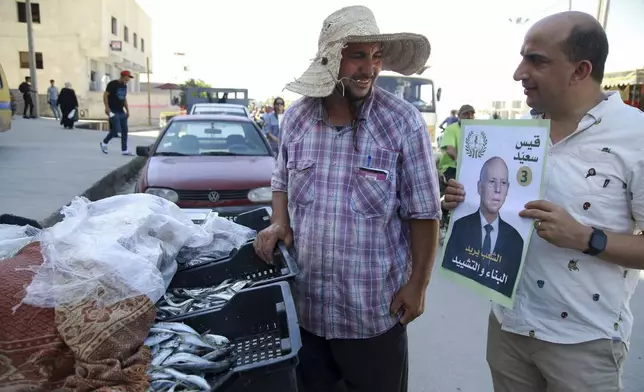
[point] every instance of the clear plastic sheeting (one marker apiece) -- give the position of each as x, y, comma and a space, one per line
111, 250
227, 235
13, 238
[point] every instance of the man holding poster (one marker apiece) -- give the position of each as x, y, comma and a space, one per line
574, 325
484, 238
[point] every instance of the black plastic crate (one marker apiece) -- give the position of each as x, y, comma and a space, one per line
257, 220
243, 264
262, 325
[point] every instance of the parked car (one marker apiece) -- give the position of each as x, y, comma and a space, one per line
213, 161
220, 108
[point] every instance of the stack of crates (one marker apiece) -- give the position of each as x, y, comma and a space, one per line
260, 321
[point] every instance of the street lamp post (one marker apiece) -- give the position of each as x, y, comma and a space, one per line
603, 8
32, 57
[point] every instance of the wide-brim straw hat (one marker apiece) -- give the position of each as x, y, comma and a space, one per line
404, 53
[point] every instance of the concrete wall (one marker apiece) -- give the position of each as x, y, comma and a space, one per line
91, 106
72, 35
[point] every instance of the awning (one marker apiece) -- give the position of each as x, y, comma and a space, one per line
624, 78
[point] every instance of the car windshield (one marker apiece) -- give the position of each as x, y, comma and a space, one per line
220, 111
203, 137
417, 91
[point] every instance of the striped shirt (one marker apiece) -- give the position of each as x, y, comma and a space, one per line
352, 237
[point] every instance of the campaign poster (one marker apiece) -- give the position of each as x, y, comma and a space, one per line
501, 165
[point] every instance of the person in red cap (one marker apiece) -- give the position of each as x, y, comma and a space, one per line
117, 110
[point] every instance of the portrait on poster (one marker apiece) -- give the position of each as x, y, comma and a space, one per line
500, 164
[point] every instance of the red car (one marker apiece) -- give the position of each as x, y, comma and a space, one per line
221, 162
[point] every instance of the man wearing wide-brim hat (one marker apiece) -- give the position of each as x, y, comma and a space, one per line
355, 191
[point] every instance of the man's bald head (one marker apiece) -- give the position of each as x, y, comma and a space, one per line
580, 36
493, 164
493, 186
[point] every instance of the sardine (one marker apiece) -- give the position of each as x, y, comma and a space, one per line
161, 356
184, 357
159, 385
159, 375
172, 343
216, 340
210, 367
218, 353
196, 341
179, 305
178, 327
237, 286
157, 338
190, 379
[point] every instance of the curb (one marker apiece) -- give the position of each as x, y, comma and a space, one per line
105, 187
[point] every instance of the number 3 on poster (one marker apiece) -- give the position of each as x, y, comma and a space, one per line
524, 176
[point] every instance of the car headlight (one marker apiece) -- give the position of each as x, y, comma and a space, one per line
167, 194
261, 195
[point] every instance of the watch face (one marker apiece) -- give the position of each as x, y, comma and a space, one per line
598, 241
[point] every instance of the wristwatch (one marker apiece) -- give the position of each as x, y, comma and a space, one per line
597, 242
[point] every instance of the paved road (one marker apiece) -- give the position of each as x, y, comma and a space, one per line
42, 166
447, 344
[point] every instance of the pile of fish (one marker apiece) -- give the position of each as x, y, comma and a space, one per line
184, 360
181, 301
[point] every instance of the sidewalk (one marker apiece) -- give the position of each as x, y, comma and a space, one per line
43, 166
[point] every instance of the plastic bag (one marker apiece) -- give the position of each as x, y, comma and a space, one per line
111, 250
13, 238
227, 235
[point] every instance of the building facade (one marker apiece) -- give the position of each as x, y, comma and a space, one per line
86, 43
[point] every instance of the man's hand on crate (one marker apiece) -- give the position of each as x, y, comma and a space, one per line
266, 240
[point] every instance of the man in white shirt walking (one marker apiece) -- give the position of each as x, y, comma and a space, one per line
52, 99
571, 323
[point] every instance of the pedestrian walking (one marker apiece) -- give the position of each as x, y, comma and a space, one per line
356, 187
272, 124
117, 110
449, 120
68, 102
52, 99
27, 90
571, 324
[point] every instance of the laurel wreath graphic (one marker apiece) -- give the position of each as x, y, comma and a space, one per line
475, 150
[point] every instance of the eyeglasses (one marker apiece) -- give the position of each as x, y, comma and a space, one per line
279, 103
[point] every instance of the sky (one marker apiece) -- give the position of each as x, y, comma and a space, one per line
262, 45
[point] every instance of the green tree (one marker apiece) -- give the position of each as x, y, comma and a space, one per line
191, 83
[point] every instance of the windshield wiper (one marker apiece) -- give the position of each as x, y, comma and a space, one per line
219, 153
169, 154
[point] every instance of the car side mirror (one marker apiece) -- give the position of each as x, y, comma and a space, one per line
438, 93
143, 151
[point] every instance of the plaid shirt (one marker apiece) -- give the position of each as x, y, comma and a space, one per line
352, 238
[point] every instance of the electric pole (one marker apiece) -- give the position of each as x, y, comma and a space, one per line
32, 57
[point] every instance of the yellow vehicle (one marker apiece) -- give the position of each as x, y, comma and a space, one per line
5, 103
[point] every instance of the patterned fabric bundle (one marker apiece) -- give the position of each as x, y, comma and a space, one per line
70, 348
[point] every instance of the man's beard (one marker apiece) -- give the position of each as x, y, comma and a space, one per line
346, 92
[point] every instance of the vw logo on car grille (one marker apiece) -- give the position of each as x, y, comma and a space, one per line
213, 196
